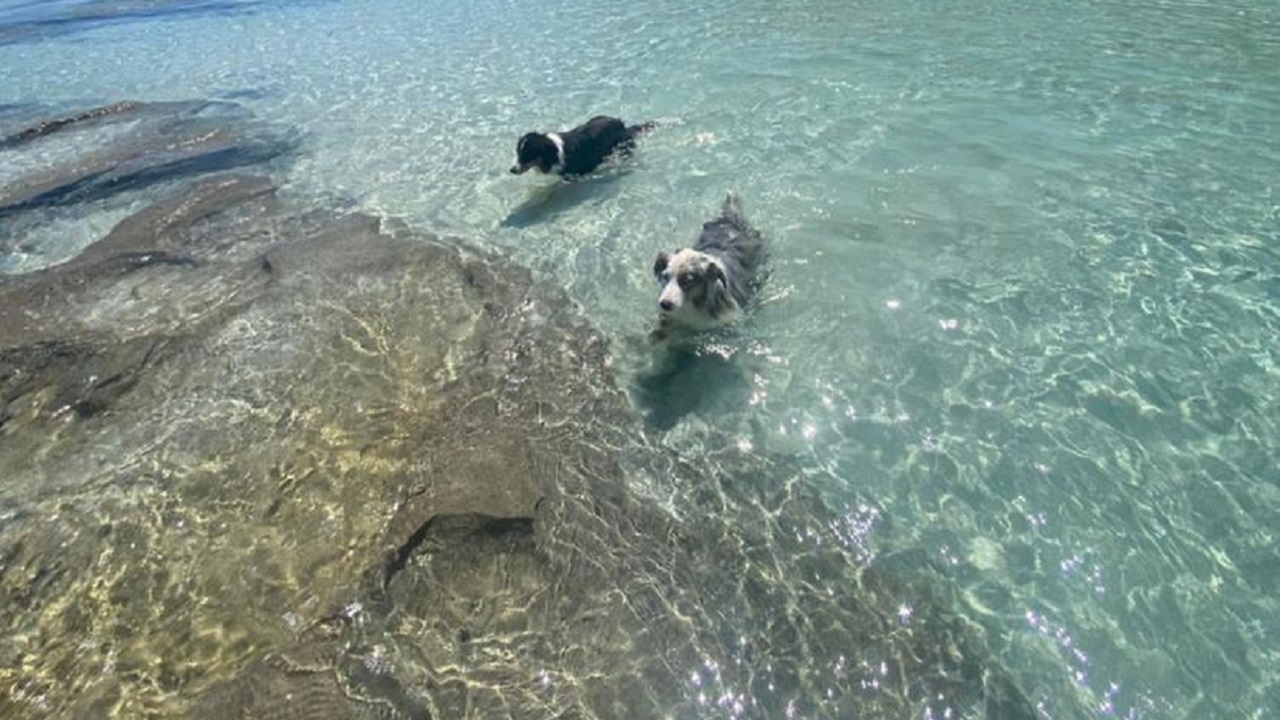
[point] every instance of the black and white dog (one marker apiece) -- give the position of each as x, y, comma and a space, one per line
577, 151
709, 284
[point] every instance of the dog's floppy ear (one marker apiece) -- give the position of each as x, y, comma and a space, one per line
721, 301
660, 263
716, 274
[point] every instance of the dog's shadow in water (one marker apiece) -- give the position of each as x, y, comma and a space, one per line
695, 379
547, 201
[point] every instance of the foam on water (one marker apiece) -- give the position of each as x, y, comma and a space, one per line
1026, 278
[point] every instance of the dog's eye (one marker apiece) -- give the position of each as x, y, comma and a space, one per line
688, 281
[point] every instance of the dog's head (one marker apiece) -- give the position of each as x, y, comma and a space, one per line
540, 151
694, 291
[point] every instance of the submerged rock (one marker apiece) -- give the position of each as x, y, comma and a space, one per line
88, 156
34, 22
271, 462
165, 141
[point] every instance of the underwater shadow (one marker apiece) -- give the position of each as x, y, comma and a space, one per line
701, 379
547, 201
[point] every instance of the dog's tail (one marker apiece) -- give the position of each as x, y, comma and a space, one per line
732, 207
642, 128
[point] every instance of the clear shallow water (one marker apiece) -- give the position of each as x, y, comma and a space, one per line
1026, 275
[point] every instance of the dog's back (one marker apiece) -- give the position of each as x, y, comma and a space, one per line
587, 145
610, 131
600, 130
738, 246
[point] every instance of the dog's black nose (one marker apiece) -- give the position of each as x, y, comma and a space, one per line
666, 305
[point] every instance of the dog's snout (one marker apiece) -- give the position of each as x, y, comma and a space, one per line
666, 305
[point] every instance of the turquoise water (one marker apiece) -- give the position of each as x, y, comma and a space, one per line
1026, 265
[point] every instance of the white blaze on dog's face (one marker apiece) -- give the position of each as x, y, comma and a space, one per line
693, 289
